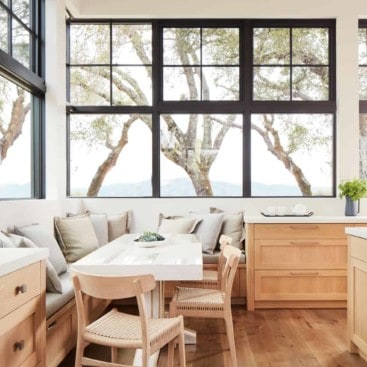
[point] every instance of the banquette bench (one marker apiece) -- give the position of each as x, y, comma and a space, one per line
61, 317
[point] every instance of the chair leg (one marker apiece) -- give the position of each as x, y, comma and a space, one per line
171, 353
114, 354
181, 349
80, 345
230, 336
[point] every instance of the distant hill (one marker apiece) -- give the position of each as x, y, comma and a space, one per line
15, 191
183, 187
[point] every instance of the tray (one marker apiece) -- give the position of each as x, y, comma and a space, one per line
288, 215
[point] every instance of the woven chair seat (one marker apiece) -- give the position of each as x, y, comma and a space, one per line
125, 329
199, 297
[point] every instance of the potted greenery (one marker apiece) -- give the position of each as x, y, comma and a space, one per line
353, 190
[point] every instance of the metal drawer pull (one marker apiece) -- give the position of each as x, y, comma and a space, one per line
306, 243
21, 289
52, 325
19, 345
304, 226
305, 273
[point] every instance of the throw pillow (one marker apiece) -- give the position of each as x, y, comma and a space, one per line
53, 282
233, 227
5, 241
178, 225
118, 225
76, 236
208, 230
41, 237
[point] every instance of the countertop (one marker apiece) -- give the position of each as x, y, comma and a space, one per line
12, 259
357, 231
301, 219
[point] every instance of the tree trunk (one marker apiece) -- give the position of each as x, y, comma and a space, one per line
15, 126
111, 159
201, 182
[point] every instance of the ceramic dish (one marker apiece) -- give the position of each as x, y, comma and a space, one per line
149, 243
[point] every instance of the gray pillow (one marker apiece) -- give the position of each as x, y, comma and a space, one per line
208, 230
41, 237
53, 282
233, 226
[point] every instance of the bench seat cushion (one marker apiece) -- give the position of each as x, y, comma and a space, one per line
54, 301
213, 259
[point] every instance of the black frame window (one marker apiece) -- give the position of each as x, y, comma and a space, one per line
189, 122
22, 79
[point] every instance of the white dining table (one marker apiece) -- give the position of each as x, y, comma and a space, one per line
179, 257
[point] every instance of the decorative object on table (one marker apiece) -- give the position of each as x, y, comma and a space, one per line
353, 190
149, 239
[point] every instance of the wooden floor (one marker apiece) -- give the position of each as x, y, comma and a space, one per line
268, 338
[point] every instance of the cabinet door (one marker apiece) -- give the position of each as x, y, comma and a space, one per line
301, 254
300, 285
357, 304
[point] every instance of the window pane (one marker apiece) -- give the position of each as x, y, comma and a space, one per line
21, 44
131, 44
310, 46
220, 46
363, 145
271, 46
181, 46
15, 141
221, 83
132, 85
181, 84
310, 83
21, 10
292, 155
110, 155
90, 85
201, 155
362, 46
90, 44
4, 23
363, 83
271, 83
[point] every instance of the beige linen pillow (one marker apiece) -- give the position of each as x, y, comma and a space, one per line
178, 225
76, 236
232, 226
118, 224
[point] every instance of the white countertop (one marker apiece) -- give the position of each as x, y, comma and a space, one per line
12, 259
312, 219
357, 231
178, 258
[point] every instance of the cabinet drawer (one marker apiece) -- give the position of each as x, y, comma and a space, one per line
301, 254
300, 285
17, 346
358, 248
61, 335
293, 231
19, 287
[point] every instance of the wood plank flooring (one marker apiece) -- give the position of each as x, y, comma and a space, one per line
267, 338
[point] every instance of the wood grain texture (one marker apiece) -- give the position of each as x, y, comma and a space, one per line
267, 338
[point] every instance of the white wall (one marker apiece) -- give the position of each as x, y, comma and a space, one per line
346, 15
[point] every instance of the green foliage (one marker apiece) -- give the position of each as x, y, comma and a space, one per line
149, 237
355, 189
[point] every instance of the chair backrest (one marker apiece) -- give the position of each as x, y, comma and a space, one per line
109, 288
231, 255
223, 241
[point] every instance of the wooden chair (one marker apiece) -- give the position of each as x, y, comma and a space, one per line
211, 278
211, 303
121, 330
